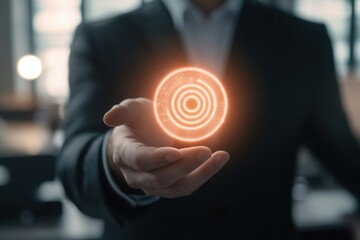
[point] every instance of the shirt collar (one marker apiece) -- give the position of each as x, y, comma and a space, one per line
178, 9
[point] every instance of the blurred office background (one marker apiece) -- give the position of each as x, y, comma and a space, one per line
34, 47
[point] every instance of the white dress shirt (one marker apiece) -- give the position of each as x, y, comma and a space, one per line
207, 41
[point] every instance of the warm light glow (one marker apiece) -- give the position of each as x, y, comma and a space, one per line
190, 104
29, 67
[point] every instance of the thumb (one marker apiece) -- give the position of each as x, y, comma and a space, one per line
116, 116
129, 111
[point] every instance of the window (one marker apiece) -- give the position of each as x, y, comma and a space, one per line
95, 9
54, 22
336, 15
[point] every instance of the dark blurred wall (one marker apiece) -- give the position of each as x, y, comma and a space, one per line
6, 59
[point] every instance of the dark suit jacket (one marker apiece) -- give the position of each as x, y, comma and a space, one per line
283, 93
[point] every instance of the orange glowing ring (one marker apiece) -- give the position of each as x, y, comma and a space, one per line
190, 104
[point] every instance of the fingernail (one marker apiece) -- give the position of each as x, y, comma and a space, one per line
202, 156
172, 157
221, 161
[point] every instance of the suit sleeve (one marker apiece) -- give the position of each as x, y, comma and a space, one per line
328, 133
79, 165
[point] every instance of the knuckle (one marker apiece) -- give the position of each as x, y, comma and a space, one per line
140, 160
116, 159
121, 150
148, 182
161, 181
157, 181
139, 165
131, 183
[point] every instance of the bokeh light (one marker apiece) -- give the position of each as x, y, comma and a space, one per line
29, 67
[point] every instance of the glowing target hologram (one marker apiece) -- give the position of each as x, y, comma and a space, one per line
190, 104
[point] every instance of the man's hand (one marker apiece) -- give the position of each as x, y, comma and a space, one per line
140, 154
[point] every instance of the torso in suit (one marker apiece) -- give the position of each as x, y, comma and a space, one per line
283, 93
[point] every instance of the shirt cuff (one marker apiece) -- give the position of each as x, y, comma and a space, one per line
131, 199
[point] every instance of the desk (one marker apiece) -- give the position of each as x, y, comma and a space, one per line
23, 137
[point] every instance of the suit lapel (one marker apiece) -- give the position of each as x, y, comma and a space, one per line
241, 82
164, 41
237, 52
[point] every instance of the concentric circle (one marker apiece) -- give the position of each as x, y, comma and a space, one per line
190, 104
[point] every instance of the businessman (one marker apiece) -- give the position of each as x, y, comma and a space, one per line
117, 164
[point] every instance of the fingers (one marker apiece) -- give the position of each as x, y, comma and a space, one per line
202, 174
194, 180
163, 177
127, 111
136, 155
160, 171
